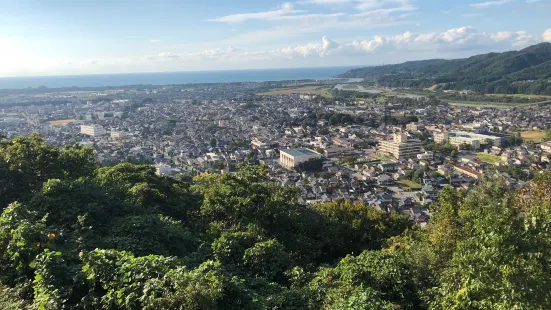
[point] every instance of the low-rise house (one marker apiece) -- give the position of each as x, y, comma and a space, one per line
385, 180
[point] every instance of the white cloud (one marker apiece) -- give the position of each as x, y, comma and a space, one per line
310, 24
372, 4
388, 11
359, 4
452, 43
285, 9
547, 35
453, 40
487, 4
161, 56
328, 1
154, 41
307, 16
168, 55
308, 50
463, 39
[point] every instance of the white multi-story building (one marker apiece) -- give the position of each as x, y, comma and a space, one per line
470, 138
92, 130
400, 147
291, 158
335, 151
426, 155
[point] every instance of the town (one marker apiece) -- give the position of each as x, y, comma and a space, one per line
395, 154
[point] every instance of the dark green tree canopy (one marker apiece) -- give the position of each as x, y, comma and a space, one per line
76, 236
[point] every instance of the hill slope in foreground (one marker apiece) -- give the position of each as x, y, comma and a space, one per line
74, 235
527, 71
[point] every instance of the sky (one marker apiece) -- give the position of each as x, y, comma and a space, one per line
65, 37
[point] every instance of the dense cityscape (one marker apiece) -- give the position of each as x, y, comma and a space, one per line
395, 153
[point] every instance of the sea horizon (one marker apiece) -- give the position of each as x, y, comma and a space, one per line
173, 77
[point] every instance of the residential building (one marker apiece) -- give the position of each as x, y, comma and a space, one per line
334, 151
115, 135
469, 171
426, 156
546, 146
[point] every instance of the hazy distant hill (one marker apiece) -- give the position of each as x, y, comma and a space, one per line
526, 71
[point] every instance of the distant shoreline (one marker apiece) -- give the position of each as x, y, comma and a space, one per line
170, 78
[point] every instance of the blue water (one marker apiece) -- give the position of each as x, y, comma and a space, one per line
165, 78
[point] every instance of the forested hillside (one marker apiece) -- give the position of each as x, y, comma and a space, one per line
527, 71
77, 236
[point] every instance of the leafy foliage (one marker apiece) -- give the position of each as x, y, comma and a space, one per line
124, 238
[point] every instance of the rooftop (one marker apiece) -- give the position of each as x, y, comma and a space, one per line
299, 152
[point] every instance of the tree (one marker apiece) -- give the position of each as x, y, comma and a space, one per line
489, 143
496, 244
371, 280
312, 165
418, 175
123, 237
213, 142
27, 162
353, 227
547, 135
267, 259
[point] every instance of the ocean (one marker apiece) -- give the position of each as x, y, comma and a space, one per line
166, 78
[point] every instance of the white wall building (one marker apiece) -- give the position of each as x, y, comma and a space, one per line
291, 158
92, 130
400, 147
470, 138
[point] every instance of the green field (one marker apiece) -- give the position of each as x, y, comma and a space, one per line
382, 157
540, 97
322, 91
410, 184
483, 104
489, 158
533, 135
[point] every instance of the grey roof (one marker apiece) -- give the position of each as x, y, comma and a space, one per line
299, 152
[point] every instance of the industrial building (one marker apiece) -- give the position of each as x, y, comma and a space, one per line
291, 158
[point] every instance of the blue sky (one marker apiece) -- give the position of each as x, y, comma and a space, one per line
53, 37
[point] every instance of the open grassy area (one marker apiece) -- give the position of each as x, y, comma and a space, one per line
482, 104
382, 157
322, 91
533, 135
62, 121
542, 97
410, 184
489, 158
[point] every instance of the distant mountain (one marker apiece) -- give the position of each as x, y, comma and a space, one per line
527, 71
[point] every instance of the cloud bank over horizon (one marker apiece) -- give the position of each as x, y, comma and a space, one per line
253, 35
460, 42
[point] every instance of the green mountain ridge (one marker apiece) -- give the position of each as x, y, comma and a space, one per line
527, 71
